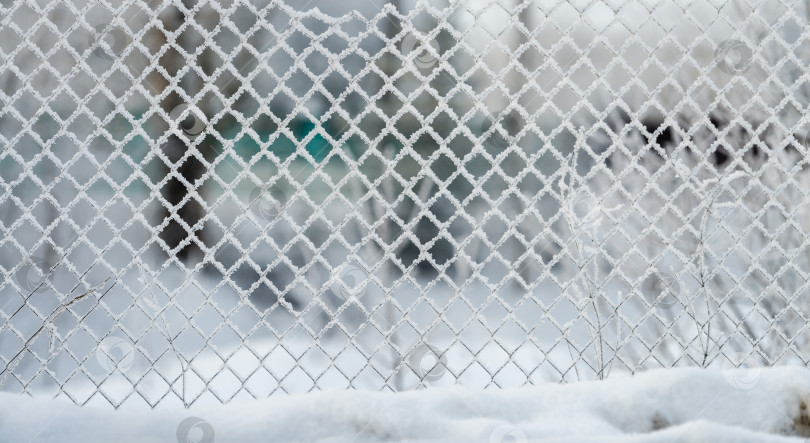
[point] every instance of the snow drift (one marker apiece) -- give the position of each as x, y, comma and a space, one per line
734, 405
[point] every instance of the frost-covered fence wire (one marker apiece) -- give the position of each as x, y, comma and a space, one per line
216, 201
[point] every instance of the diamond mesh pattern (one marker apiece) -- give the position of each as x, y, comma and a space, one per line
215, 201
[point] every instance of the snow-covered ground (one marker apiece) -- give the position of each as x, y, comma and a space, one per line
768, 404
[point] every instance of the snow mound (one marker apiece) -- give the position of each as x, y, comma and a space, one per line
769, 404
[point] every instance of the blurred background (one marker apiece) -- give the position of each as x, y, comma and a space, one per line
215, 201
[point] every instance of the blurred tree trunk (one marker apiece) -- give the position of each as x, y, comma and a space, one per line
180, 233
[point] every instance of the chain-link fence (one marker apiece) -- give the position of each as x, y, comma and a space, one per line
222, 200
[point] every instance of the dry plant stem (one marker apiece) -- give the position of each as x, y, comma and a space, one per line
595, 303
16, 359
705, 327
580, 260
375, 209
694, 318
595, 334
183, 363
701, 264
587, 287
618, 338
571, 354
591, 292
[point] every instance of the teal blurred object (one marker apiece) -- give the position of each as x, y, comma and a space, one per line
318, 147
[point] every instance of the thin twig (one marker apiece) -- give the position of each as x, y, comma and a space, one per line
581, 261
618, 338
183, 363
16, 359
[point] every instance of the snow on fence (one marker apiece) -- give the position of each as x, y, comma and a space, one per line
205, 202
